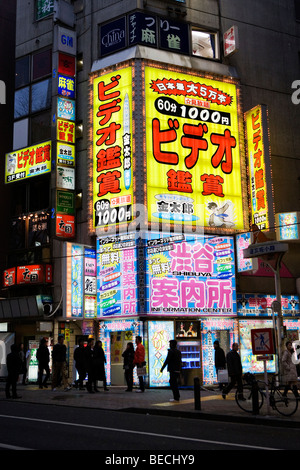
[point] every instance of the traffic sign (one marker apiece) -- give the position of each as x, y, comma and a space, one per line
263, 341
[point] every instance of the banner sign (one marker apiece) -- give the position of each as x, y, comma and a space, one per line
112, 147
28, 162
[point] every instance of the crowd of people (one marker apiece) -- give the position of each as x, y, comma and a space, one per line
90, 362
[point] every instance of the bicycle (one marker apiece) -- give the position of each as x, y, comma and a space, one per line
285, 404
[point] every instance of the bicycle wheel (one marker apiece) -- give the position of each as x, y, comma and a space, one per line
285, 405
246, 402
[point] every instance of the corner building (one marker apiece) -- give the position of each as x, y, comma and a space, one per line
149, 138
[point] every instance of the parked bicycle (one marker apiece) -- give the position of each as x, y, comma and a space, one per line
285, 404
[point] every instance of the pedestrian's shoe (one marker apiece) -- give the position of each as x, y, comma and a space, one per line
106, 389
174, 399
16, 396
241, 398
67, 389
224, 395
139, 391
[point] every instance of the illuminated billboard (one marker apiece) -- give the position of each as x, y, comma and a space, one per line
193, 150
287, 226
112, 148
79, 281
259, 167
190, 275
28, 162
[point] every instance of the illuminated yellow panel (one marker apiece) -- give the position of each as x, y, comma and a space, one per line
193, 150
112, 148
257, 167
28, 162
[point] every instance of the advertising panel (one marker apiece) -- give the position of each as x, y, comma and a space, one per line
261, 305
193, 150
80, 281
259, 167
28, 162
249, 360
243, 240
159, 334
117, 292
190, 275
287, 226
112, 148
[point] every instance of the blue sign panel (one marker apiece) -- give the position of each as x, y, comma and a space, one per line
113, 36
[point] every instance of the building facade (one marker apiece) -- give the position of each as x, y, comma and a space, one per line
152, 143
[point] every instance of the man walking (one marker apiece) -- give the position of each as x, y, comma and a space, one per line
235, 371
173, 361
220, 360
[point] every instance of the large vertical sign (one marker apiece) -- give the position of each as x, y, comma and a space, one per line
259, 167
193, 275
193, 150
112, 148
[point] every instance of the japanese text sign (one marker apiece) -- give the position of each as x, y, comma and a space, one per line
193, 275
259, 167
193, 151
28, 162
263, 341
112, 147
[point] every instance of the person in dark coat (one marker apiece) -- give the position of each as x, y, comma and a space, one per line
14, 367
173, 361
43, 357
128, 356
220, 360
99, 361
235, 371
89, 364
59, 364
79, 358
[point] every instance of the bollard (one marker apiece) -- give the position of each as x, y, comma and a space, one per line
197, 398
255, 404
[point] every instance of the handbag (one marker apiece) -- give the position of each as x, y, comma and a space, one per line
223, 376
141, 371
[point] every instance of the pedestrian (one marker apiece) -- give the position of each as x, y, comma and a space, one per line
128, 356
173, 361
89, 364
24, 361
79, 358
220, 361
235, 372
59, 364
14, 366
99, 360
289, 370
139, 361
43, 357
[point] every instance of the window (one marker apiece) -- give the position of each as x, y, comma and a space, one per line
297, 10
41, 64
40, 128
41, 95
22, 75
21, 103
204, 44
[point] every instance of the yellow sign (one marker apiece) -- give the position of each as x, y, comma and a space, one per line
28, 162
258, 172
112, 148
193, 150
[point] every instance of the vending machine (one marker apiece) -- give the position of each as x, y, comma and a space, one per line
188, 342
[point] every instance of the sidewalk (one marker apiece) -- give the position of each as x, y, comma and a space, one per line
153, 401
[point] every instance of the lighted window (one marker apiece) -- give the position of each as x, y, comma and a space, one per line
205, 44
